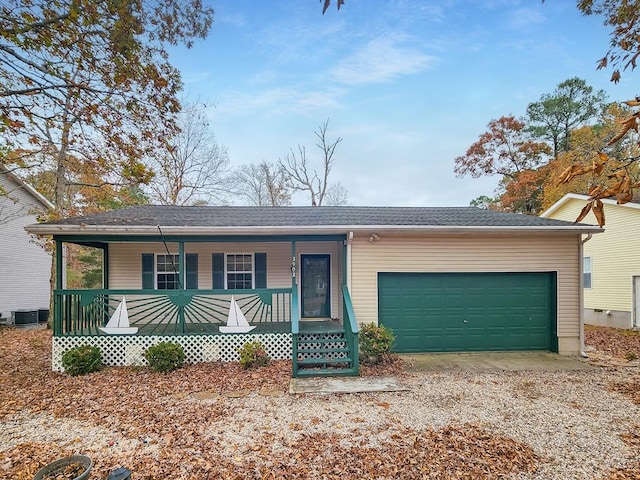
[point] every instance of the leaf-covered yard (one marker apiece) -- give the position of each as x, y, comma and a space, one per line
219, 421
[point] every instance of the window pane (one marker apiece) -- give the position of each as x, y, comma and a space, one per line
240, 271
167, 268
586, 272
167, 281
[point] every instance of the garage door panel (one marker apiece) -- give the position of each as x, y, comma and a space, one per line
468, 311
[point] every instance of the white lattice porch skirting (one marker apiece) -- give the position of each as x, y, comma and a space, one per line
127, 350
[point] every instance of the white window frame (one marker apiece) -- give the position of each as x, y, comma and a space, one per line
158, 272
227, 272
587, 271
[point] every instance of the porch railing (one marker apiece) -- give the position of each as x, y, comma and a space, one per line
165, 312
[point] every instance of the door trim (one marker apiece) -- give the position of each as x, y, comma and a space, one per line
328, 283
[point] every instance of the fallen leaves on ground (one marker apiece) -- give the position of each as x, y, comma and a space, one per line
632, 437
454, 452
624, 346
616, 342
623, 474
629, 388
391, 366
172, 412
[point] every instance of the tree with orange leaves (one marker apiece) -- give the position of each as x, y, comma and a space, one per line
506, 149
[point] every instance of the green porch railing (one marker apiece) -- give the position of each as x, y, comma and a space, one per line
350, 328
170, 312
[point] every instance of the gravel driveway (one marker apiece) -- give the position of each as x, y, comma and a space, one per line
572, 420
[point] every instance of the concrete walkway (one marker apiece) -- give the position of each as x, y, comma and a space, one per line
440, 362
488, 361
328, 385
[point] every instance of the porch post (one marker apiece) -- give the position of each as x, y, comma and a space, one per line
182, 283
105, 266
293, 263
57, 299
59, 265
181, 262
295, 328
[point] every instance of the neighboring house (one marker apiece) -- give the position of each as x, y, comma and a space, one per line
443, 279
25, 266
611, 261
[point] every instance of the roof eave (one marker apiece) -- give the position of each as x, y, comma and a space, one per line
146, 230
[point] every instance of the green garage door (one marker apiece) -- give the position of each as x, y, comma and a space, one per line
448, 312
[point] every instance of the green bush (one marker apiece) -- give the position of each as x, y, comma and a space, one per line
164, 356
253, 354
375, 342
81, 360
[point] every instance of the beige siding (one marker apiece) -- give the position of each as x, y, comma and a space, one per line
470, 253
615, 254
125, 262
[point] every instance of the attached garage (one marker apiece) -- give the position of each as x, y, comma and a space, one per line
474, 311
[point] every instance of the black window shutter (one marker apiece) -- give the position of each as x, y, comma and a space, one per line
191, 262
261, 270
148, 260
218, 271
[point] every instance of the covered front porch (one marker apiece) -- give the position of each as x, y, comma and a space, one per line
291, 290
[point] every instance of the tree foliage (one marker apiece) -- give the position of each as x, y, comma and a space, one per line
572, 104
506, 149
84, 80
583, 156
327, 4
624, 18
485, 202
524, 192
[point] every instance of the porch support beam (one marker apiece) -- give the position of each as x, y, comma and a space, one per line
295, 311
57, 299
293, 264
59, 264
182, 283
105, 266
181, 262
94, 239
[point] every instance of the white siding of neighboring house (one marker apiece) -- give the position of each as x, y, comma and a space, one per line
471, 253
25, 267
615, 258
125, 262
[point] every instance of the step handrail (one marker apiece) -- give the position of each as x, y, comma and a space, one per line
348, 310
350, 329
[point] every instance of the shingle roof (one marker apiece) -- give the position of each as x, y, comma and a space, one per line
242, 216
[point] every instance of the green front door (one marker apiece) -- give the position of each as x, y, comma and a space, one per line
441, 312
315, 292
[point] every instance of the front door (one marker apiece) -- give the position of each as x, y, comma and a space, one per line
316, 297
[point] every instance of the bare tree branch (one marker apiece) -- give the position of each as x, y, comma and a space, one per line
303, 178
263, 184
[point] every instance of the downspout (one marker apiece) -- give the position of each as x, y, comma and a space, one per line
581, 294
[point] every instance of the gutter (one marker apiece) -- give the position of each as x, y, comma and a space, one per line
583, 354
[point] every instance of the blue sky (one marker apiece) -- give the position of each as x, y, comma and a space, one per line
407, 84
